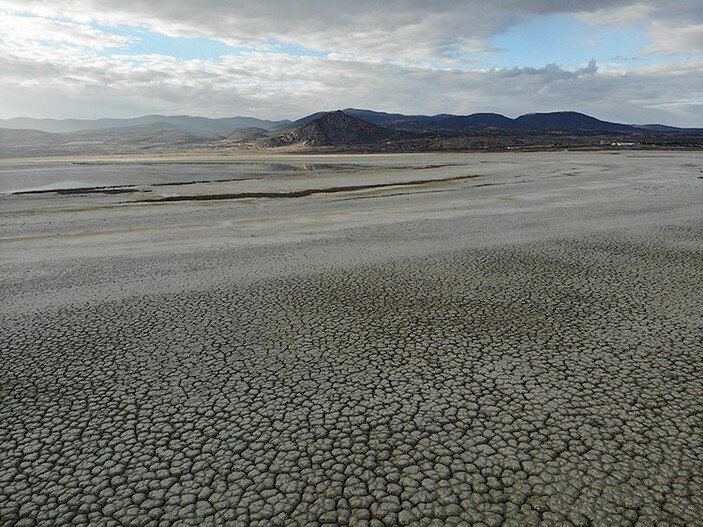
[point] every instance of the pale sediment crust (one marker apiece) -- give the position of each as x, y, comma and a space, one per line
308, 191
505, 369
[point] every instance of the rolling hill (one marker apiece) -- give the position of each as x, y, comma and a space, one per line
184, 123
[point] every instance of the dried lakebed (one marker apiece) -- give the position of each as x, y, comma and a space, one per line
517, 349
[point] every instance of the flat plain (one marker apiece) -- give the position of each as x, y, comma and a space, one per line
464, 339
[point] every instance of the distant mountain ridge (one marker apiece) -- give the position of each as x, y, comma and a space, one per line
205, 126
570, 121
183, 123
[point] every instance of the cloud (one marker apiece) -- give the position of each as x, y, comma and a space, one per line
550, 72
669, 40
675, 28
18, 33
396, 56
277, 85
441, 29
404, 30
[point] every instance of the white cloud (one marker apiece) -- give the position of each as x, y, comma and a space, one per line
675, 27
392, 30
277, 85
395, 29
20, 33
669, 40
395, 56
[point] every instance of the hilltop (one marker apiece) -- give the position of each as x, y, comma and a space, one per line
333, 129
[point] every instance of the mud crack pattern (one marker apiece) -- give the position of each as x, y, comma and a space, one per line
549, 384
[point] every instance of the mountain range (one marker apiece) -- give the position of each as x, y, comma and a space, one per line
570, 121
350, 128
183, 123
442, 122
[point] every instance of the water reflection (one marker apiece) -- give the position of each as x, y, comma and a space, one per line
29, 176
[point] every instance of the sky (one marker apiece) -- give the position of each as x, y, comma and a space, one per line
638, 61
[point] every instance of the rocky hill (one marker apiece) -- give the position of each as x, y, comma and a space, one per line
333, 129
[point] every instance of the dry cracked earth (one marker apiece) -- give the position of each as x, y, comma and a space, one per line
502, 367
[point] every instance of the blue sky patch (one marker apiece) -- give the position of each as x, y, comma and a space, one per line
295, 50
565, 40
143, 41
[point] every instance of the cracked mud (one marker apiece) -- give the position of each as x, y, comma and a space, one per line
513, 364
